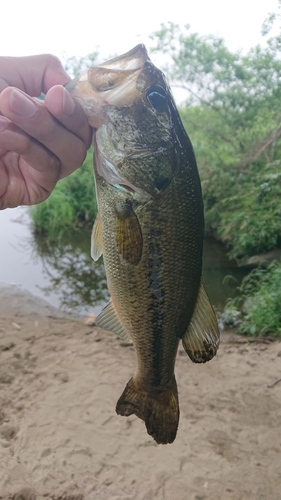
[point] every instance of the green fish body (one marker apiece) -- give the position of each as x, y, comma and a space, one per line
150, 231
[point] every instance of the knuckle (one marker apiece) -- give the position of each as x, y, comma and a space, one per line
51, 60
55, 166
74, 160
23, 144
45, 129
81, 153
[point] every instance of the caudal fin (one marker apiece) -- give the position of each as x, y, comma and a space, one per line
158, 409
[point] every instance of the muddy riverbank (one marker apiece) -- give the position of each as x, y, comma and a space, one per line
61, 439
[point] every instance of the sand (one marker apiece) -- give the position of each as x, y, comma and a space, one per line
61, 439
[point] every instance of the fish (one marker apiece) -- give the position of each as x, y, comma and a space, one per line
149, 229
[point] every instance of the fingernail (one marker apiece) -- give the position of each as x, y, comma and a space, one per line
21, 105
3, 123
68, 104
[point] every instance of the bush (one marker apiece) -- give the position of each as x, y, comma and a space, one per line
242, 202
249, 217
232, 115
259, 301
72, 203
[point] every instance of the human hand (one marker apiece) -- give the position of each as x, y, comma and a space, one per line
40, 142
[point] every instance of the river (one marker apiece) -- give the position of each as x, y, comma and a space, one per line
65, 275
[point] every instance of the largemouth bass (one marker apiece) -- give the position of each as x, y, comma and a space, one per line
150, 230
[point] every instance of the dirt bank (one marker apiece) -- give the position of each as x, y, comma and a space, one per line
61, 439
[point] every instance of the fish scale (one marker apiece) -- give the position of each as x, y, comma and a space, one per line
150, 230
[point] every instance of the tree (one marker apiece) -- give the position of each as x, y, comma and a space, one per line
233, 116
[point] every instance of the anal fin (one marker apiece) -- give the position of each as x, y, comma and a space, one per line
202, 338
109, 320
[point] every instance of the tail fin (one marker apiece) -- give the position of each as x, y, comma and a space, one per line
159, 410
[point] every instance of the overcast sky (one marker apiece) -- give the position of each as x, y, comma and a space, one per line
115, 26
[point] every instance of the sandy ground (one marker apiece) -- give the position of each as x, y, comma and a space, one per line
61, 439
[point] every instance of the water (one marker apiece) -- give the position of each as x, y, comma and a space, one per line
64, 274
220, 274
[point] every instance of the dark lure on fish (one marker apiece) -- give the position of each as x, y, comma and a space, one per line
150, 230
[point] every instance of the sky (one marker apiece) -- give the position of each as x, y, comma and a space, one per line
66, 28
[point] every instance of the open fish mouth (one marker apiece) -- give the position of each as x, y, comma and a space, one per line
112, 83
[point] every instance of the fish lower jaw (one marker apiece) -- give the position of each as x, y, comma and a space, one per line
110, 174
137, 194
125, 187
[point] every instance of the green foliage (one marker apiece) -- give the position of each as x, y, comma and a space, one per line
232, 114
72, 203
259, 302
244, 208
270, 20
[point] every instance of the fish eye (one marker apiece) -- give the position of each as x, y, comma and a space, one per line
156, 96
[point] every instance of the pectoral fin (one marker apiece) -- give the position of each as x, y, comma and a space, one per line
201, 340
128, 235
109, 320
96, 239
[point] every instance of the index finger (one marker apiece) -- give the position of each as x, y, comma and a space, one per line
68, 144
32, 74
69, 112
